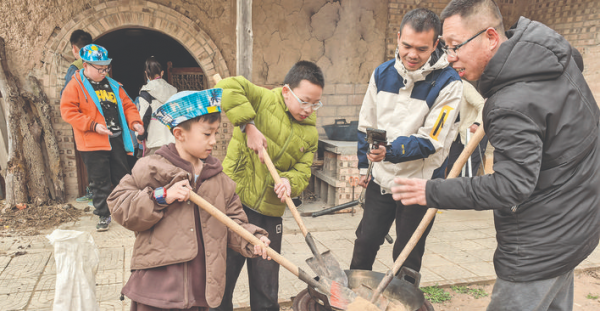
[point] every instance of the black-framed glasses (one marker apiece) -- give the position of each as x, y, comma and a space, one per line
304, 104
452, 51
101, 70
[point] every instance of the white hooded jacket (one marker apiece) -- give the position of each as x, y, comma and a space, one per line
158, 133
418, 109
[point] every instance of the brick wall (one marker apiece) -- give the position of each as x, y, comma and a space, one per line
579, 22
101, 19
340, 101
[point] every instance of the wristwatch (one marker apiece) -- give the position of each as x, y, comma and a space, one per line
160, 195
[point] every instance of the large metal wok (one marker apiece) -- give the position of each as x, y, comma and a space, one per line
400, 289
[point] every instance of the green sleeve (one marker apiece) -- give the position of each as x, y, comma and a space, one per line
299, 175
241, 99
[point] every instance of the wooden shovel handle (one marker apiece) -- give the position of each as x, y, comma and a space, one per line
288, 200
235, 227
414, 239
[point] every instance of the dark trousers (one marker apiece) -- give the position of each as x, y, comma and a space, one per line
555, 294
263, 275
105, 170
457, 147
380, 211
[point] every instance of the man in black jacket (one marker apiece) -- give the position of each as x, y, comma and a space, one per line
543, 121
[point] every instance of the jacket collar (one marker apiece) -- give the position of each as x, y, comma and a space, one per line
211, 167
437, 60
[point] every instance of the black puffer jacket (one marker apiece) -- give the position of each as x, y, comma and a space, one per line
543, 121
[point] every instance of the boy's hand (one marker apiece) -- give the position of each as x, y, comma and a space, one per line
283, 189
138, 128
179, 191
255, 140
101, 129
376, 155
258, 250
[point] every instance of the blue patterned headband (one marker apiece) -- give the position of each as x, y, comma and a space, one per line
187, 105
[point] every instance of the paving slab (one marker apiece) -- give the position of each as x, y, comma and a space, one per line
459, 250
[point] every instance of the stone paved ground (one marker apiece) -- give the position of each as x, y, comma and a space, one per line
459, 250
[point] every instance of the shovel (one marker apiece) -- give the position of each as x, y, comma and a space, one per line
339, 296
324, 265
375, 297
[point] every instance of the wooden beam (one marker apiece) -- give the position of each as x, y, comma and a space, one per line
245, 39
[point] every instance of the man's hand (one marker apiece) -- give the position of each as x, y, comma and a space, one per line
283, 189
138, 128
410, 191
473, 128
363, 182
179, 191
101, 129
376, 155
258, 250
255, 140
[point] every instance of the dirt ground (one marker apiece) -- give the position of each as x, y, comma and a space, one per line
586, 296
32, 219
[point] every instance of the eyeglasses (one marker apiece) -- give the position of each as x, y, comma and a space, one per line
304, 104
101, 70
452, 51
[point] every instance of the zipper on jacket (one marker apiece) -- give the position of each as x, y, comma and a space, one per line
151, 234
287, 142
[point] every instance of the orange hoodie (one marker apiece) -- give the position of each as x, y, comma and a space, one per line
79, 108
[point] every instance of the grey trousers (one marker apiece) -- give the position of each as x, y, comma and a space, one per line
554, 294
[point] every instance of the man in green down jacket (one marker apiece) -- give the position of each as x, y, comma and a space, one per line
282, 121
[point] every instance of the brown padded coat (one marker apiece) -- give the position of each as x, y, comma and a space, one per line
165, 233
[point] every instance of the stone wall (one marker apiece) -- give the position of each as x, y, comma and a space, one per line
345, 38
579, 22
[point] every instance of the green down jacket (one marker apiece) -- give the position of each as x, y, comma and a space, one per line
291, 144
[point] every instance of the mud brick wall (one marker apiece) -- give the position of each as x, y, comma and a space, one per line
347, 167
338, 168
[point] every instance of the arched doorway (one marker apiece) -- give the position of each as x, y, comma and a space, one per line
102, 20
129, 48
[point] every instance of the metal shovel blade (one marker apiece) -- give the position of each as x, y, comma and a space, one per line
339, 296
329, 268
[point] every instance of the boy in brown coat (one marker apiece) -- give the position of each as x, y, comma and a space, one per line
179, 254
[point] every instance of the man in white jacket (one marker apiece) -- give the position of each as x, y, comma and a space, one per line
415, 99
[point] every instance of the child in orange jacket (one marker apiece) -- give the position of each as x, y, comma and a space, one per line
101, 114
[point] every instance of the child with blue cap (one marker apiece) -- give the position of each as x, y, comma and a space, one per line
179, 256
101, 114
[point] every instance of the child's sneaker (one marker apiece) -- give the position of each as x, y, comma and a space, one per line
87, 197
103, 223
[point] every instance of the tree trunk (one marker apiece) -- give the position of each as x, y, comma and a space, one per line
52, 154
16, 190
34, 172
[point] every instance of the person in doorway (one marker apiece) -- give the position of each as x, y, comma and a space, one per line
178, 260
415, 99
152, 95
542, 119
101, 114
79, 39
470, 109
283, 121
